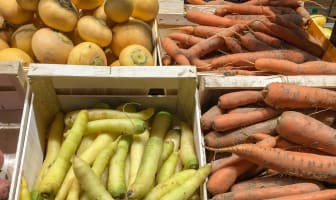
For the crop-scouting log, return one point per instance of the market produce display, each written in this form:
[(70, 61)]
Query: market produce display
[(234, 38), (281, 140), (122, 153), (77, 32)]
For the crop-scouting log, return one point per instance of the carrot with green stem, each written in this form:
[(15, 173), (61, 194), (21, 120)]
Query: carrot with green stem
[(288, 95), (269, 192), (167, 149), (175, 181), (136, 152), (187, 189), (89, 155), (187, 150), (217, 139), (116, 179), (55, 136), (306, 165), (151, 156), (116, 126), (89, 181), (168, 167), (174, 136), (57, 171), (102, 160), (97, 114)]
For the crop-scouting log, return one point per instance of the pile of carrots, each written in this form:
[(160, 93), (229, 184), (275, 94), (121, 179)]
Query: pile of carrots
[(252, 38), (275, 143)]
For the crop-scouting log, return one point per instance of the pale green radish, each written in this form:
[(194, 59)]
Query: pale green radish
[(150, 160), (116, 126), (55, 136), (175, 181), (168, 168), (188, 188), (175, 136), (89, 155), (57, 171), (187, 151), (168, 148), (89, 181), (116, 183), (136, 152), (96, 114)]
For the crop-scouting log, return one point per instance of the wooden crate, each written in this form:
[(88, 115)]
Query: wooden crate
[(12, 105), (12, 91), (211, 87), (173, 16), (56, 88)]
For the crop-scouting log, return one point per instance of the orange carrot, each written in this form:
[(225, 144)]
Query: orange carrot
[(197, 2), (290, 68), (208, 19), (271, 41), (247, 59), (287, 35), (186, 39), (174, 51), (327, 117), (246, 9), (299, 164), (329, 194), (238, 72), (234, 159), (221, 180), (167, 60), (251, 43), (233, 45), (285, 3), (302, 129), (289, 146), (268, 181), (270, 192), (303, 12), (208, 117), (242, 109), (288, 95), (240, 98), (237, 120), (199, 30), (217, 139)]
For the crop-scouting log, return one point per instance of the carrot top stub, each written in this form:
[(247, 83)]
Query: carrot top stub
[(288, 95)]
